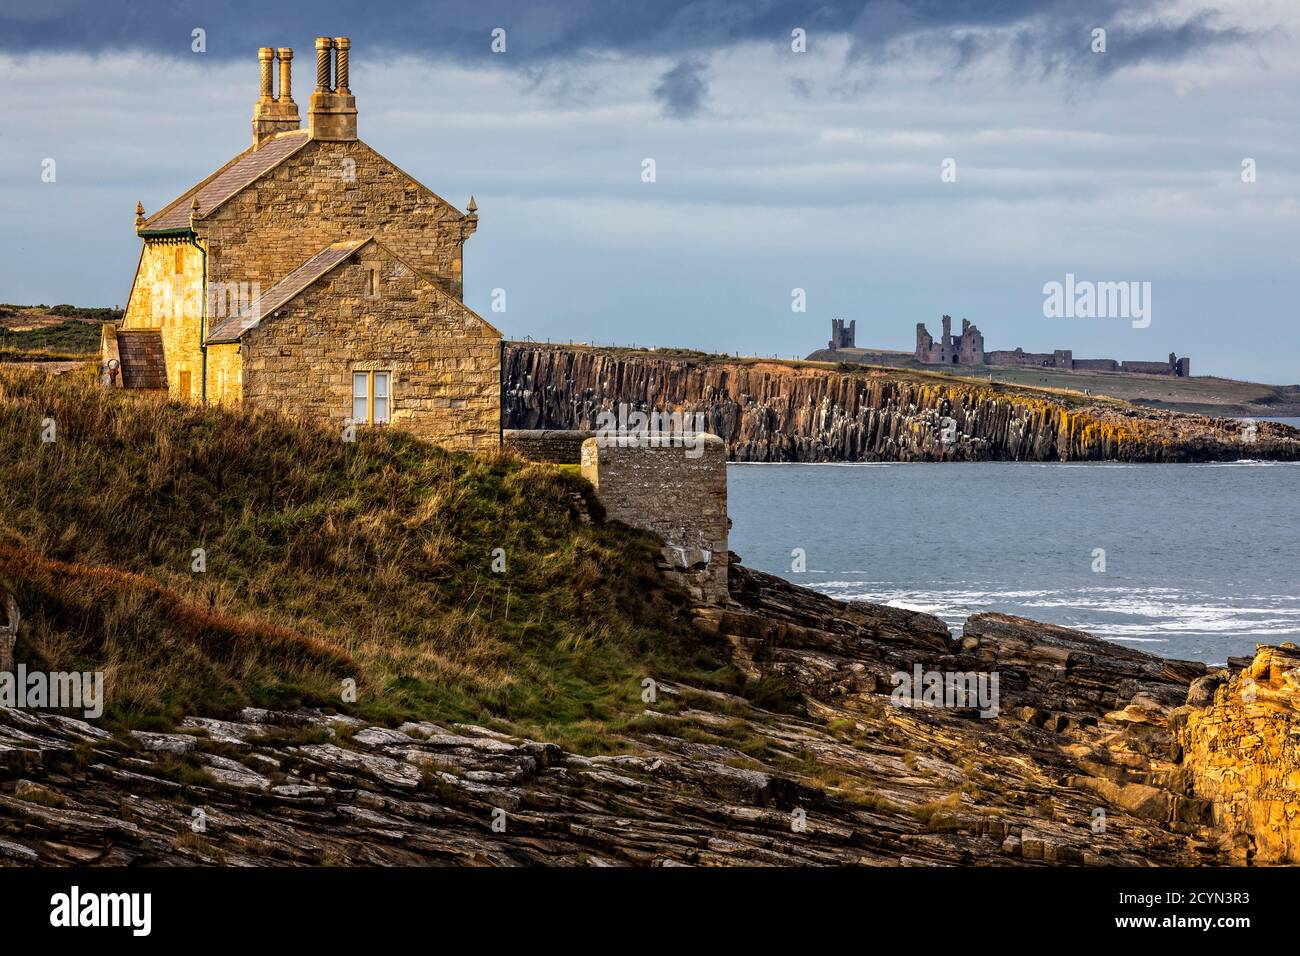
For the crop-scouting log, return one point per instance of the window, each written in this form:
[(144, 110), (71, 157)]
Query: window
[(371, 397), (180, 259), (372, 282), (380, 393), (183, 383)]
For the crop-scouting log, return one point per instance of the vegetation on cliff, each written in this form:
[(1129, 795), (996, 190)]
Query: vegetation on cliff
[(324, 559)]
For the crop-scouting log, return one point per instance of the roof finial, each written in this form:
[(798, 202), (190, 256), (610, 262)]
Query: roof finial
[(194, 208), (139, 214), (473, 208)]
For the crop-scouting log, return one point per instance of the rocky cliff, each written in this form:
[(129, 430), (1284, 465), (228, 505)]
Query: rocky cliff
[(1239, 736), (1092, 759), (772, 411)]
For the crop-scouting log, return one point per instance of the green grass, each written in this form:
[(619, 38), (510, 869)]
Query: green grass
[(325, 560), (62, 341), (71, 338)]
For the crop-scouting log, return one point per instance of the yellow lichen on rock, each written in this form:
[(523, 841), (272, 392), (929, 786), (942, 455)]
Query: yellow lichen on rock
[(1243, 752)]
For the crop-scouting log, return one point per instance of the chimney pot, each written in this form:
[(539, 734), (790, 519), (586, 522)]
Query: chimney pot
[(286, 75), (323, 47), (341, 45), (265, 56)]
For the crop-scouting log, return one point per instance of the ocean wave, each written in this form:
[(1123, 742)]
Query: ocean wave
[(1137, 615), (1246, 463)]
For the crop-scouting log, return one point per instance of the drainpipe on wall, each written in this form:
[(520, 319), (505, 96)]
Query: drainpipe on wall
[(203, 314)]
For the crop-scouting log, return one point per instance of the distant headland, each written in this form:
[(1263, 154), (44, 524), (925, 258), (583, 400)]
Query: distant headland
[(967, 348), (1168, 384)]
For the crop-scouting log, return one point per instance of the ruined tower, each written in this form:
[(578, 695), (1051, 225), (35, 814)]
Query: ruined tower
[(842, 337)]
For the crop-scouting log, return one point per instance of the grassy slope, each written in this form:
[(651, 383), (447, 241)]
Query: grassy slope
[(43, 334), (324, 559)]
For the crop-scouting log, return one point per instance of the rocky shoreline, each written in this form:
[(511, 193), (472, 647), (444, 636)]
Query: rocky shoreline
[(1099, 755), (779, 412)]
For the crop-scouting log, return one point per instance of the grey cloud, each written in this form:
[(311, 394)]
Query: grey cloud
[(1042, 37), (1040, 30), (682, 89)]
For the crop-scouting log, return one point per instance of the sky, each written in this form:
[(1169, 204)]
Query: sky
[(895, 160)]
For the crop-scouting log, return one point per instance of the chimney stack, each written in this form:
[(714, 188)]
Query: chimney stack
[(333, 113), (286, 78), (274, 114)]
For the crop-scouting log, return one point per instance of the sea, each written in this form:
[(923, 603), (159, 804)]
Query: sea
[(1200, 562)]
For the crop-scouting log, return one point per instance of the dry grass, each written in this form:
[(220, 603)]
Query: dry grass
[(322, 556)]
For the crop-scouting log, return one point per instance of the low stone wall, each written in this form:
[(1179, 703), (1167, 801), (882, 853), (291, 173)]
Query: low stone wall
[(678, 491), (1147, 368), (546, 444), (1018, 357)]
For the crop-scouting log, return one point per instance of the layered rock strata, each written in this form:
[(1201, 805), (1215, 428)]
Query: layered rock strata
[(769, 411), (1091, 759)]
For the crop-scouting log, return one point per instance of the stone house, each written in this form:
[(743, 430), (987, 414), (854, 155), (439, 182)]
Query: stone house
[(312, 276)]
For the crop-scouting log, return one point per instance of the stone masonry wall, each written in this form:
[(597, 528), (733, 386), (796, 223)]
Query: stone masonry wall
[(1018, 357), (679, 498), (446, 362), (225, 375), (170, 300), (553, 445), (324, 193)]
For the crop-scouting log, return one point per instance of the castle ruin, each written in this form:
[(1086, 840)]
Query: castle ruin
[(841, 337), (967, 348)]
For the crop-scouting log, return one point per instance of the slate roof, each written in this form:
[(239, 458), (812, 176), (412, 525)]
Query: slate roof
[(226, 181), (143, 362), (232, 327)]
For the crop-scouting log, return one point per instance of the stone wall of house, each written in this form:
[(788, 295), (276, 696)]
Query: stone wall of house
[(674, 492), (445, 360), (324, 193), (167, 295), (225, 375), (554, 445)]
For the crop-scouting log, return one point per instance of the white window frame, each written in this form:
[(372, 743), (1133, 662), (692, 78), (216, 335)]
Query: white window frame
[(364, 389)]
